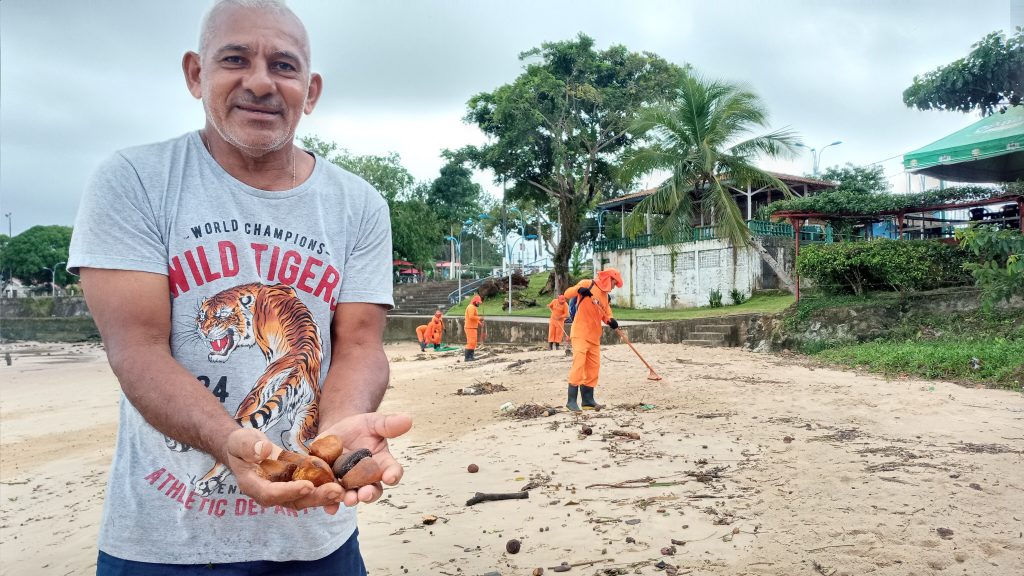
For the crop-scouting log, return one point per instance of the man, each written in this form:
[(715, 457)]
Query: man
[(240, 285), (556, 323), (431, 332), (592, 309), (473, 320)]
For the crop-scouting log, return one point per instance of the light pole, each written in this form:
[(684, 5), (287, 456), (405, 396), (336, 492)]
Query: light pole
[(8, 215), (600, 216), (816, 155), (53, 278), (527, 237), (458, 251)]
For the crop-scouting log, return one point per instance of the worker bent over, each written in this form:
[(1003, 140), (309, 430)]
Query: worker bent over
[(431, 332), (556, 324), (473, 322), (592, 309)]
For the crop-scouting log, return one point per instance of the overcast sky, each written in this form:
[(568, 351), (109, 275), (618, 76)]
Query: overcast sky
[(80, 79)]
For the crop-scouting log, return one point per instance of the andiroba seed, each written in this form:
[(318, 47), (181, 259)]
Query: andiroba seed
[(327, 448), (276, 470), (345, 463), (365, 472), (315, 470)]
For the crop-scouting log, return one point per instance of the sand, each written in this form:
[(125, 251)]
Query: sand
[(745, 464)]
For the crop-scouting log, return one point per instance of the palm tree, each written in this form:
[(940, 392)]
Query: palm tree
[(703, 140)]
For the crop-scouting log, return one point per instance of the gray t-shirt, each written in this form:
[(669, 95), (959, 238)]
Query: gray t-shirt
[(254, 279)]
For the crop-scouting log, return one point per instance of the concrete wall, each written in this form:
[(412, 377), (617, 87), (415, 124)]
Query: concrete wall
[(683, 275)]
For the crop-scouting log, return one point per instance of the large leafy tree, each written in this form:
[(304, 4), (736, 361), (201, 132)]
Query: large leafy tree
[(858, 179), (415, 230), (25, 255), (557, 131), (454, 195), (705, 139), (987, 80)]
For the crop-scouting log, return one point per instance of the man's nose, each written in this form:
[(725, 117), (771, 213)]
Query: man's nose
[(258, 80)]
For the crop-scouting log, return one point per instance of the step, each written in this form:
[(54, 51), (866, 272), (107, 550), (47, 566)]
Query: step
[(704, 343), (715, 336)]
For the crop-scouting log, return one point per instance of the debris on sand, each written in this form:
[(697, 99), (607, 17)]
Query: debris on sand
[(481, 388), (527, 411)]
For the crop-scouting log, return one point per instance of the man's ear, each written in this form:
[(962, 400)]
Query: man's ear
[(316, 87), (191, 66)]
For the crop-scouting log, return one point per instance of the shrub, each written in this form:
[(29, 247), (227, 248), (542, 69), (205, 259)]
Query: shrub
[(715, 298), (737, 296), (900, 265), (999, 270)]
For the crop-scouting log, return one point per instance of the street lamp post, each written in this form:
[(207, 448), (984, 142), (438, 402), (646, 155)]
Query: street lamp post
[(521, 237), (600, 216), (458, 251), (816, 155), (8, 216), (53, 278)]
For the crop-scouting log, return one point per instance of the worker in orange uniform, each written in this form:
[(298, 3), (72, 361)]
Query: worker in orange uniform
[(556, 324), (473, 322), (431, 332), (592, 309)]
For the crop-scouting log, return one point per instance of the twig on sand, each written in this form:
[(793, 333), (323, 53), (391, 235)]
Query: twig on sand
[(829, 546), (584, 563), (482, 497)]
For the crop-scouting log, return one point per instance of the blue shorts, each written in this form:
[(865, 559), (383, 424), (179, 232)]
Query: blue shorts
[(345, 561)]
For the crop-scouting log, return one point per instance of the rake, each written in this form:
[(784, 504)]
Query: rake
[(653, 375)]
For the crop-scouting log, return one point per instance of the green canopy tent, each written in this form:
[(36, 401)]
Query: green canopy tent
[(990, 150)]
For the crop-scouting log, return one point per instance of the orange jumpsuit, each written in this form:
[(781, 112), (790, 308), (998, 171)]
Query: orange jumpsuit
[(585, 335), (431, 332), (473, 321), (556, 325)]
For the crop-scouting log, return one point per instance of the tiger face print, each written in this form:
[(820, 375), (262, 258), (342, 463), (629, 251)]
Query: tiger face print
[(225, 323)]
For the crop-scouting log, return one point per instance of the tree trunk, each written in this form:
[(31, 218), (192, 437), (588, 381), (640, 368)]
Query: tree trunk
[(774, 264), (569, 232)]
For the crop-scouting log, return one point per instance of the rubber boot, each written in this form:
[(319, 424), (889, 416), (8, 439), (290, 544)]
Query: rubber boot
[(467, 355), (557, 346), (423, 346), (551, 345), (571, 404), (588, 398), (437, 347)]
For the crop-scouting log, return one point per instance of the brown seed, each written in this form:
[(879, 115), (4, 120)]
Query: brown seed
[(513, 546), (315, 470), (276, 470), (345, 463), (587, 430), (473, 468), (429, 519), (538, 572), (787, 439), (327, 448), (366, 471), (290, 457)]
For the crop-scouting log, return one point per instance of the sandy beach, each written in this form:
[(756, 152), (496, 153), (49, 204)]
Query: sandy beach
[(739, 463)]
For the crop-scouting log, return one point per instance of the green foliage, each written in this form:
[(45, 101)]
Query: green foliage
[(25, 255), (576, 265), (705, 132), (988, 79), (559, 128), (415, 231), (858, 179), (715, 298), (858, 267), (999, 270), (835, 203), (979, 359), (385, 173), (454, 195), (737, 296)]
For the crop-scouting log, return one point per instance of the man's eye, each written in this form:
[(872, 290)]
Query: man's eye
[(231, 60), (284, 66)]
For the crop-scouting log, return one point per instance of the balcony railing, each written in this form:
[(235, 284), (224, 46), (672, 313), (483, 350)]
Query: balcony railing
[(757, 228)]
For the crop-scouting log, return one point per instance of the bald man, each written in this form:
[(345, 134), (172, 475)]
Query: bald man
[(240, 285)]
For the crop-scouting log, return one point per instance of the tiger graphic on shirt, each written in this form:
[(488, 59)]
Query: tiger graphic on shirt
[(272, 318)]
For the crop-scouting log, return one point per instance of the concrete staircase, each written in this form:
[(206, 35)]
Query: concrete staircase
[(424, 298), (711, 332)]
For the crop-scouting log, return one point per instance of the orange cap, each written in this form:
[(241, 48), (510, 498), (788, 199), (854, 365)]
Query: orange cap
[(476, 299), (561, 297)]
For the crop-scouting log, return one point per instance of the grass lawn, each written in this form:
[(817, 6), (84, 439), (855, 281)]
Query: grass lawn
[(1001, 361), (496, 306)]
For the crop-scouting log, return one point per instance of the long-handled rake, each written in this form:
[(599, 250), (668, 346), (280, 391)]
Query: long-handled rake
[(653, 375)]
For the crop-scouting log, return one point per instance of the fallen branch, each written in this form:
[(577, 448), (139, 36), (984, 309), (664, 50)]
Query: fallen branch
[(641, 483), (482, 497), (585, 563)]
